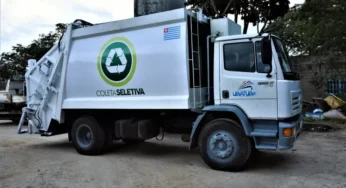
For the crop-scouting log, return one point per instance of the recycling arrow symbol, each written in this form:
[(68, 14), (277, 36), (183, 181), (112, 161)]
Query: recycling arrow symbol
[(119, 67)]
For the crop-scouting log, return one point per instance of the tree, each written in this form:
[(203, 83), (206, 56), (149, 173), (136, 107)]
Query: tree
[(291, 30), (251, 11), (317, 28), (13, 64)]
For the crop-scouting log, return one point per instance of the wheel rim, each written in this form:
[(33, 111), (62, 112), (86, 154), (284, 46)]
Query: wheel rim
[(84, 136), (220, 144)]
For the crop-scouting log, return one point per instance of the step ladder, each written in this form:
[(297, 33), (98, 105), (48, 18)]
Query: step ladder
[(31, 129), (195, 61)]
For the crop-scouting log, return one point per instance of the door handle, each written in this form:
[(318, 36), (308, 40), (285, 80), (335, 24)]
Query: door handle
[(225, 94)]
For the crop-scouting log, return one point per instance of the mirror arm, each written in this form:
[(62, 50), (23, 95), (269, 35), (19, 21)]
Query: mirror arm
[(269, 75)]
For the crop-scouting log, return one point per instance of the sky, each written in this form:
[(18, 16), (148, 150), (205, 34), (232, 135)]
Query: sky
[(21, 21)]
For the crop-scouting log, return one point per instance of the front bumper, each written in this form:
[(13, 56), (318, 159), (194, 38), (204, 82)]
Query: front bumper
[(286, 143)]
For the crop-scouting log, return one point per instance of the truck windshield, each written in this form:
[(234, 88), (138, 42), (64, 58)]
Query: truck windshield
[(283, 57), (284, 60)]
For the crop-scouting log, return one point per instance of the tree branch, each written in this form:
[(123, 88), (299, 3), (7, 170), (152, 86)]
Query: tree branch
[(227, 7), (246, 26), (235, 12), (258, 28), (205, 7), (264, 26), (212, 2)]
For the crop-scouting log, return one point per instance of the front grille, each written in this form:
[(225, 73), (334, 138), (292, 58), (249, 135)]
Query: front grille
[(296, 102)]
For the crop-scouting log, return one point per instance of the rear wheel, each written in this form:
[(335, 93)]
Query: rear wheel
[(88, 138), (224, 145)]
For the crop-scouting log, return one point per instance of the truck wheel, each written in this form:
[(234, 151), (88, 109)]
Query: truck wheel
[(132, 141), (224, 145), (88, 137)]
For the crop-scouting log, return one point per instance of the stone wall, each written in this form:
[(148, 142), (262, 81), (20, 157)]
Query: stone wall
[(315, 74)]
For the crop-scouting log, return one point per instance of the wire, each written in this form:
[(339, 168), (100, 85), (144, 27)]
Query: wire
[(83, 24)]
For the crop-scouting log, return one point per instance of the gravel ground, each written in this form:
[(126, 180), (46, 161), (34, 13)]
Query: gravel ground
[(31, 161)]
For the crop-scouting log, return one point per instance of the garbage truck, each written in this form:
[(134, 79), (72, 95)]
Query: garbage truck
[(12, 100), (131, 79)]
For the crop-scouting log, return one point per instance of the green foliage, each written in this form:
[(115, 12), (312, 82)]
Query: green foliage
[(291, 30), (251, 11), (13, 64), (317, 28)]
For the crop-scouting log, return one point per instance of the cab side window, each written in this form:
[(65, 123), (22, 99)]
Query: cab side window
[(239, 57), (261, 68)]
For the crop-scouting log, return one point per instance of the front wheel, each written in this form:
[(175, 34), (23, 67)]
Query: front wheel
[(224, 145)]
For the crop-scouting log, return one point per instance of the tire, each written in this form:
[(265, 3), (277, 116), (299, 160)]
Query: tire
[(224, 145), (132, 141), (88, 138)]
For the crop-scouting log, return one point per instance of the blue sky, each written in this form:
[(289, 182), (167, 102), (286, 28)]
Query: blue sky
[(21, 21)]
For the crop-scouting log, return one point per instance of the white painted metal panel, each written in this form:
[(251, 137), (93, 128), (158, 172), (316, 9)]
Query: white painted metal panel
[(161, 72), (224, 27), (289, 98), (262, 102)]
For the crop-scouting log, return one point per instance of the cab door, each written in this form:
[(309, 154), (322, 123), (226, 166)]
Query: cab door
[(244, 79)]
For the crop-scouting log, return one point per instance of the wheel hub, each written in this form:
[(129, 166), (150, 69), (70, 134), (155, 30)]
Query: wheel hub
[(88, 136), (84, 136), (221, 144)]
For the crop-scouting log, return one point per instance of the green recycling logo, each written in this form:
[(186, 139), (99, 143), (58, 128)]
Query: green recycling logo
[(117, 61)]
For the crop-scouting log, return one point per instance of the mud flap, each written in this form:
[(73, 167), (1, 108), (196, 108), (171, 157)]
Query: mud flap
[(195, 125)]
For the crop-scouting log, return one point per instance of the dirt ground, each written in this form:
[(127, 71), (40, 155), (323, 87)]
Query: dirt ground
[(31, 161)]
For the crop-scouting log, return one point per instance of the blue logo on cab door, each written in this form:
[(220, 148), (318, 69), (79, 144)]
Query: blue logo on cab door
[(245, 90)]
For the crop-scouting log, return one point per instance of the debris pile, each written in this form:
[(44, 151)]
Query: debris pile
[(330, 107)]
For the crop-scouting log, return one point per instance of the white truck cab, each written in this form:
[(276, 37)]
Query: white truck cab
[(129, 79), (263, 89), (242, 79)]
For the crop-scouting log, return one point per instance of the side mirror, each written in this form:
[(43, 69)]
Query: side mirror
[(267, 53)]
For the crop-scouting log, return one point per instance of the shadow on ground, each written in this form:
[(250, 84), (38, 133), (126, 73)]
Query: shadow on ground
[(260, 160), (119, 148), (265, 160), (318, 127)]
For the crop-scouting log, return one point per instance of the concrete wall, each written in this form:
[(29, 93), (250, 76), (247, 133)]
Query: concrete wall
[(315, 73)]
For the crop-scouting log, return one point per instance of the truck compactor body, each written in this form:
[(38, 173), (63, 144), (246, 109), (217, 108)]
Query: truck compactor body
[(129, 80)]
